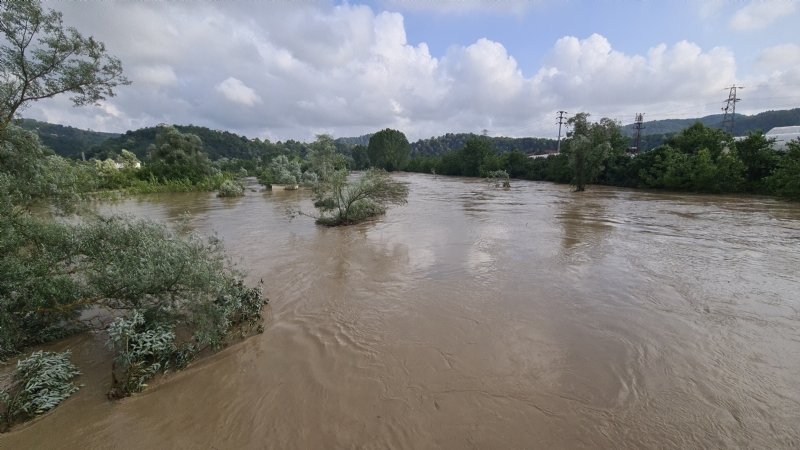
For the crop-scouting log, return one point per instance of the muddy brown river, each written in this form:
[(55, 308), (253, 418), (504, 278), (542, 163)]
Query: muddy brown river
[(474, 317)]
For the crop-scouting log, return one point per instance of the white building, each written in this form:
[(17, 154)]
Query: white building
[(782, 136)]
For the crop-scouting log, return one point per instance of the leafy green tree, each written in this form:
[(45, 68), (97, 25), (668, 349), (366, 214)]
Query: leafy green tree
[(759, 159), (517, 164), (128, 160), (30, 172), (360, 157), (785, 181), (451, 163), (281, 171), (697, 137), (40, 58), (177, 156), (343, 203), (388, 149), (474, 156), (323, 158), (588, 148)]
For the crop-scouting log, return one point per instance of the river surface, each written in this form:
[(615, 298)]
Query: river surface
[(476, 317)]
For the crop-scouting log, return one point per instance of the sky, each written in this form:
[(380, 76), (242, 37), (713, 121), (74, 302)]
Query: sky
[(292, 69)]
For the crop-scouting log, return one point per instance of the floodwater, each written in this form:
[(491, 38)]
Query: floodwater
[(476, 317)]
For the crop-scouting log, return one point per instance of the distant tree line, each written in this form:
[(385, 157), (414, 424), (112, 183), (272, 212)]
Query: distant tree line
[(698, 159)]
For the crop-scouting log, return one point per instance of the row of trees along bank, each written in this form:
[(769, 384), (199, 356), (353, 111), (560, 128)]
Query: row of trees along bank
[(698, 159)]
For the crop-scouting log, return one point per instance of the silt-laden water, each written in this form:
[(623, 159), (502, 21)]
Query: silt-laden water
[(476, 317)]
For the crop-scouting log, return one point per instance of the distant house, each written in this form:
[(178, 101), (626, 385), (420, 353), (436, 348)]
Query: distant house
[(783, 135), (120, 166), (544, 155)]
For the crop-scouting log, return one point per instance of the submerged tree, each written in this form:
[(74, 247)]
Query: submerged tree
[(589, 147), (40, 58), (343, 203)]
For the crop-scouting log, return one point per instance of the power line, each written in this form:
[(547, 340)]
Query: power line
[(638, 126), (730, 108), (561, 121)]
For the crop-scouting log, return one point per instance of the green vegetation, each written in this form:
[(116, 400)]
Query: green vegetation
[(590, 146), (499, 178), (785, 180), (437, 146), (53, 271), (388, 149), (340, 202), (39, 383), (171, 296), (231, 188), (177, 156), (281, 171), (41, 58), (699, 159), (65, 141)]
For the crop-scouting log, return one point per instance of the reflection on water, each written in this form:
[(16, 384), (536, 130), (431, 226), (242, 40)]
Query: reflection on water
[(476, 317)]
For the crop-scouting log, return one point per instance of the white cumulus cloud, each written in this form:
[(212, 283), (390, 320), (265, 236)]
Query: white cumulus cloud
[(759, 14), (234, 90), (780, 56), (294, 69)]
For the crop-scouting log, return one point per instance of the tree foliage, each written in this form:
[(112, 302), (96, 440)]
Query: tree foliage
[(699, 159), (41, 58), (785, 180), (30, 173), (281, 170), (177, 155), (343, 203), (389, 150), (38, 384), (589, 147)]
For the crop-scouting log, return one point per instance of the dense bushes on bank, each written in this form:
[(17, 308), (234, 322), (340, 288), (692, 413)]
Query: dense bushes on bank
[(699, 159)]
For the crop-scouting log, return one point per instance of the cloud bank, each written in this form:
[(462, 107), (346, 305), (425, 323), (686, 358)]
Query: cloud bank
[(292, 70)]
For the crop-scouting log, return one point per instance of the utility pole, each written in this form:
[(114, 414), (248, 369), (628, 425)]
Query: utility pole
[(562, 120), (638, 125), (730, 108)]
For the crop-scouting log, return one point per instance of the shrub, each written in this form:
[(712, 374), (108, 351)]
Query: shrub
[(343, 203), (38, 384), (499, 178), (231, 188), (142, 350), (52, 271)]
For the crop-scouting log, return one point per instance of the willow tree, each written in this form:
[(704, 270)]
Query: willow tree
[(41, 58)]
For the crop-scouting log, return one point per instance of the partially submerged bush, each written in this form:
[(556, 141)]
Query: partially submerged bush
[(39, 292), (142, 350), (281, 171), (52, 271), (231, 188), (38, 384), (499, 178), (342, 203)]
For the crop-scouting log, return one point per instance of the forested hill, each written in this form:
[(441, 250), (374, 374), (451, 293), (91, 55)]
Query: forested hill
[(744, 124), (70, 142), (451, 142), (217, 144), (353, 141), (456, 141), (64, 140)]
